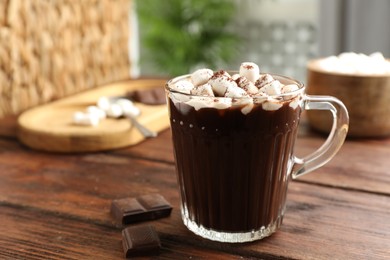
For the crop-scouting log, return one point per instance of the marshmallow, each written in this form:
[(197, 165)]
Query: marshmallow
[(263, 80), (260, 98), (114, 111), (250, 71), (103, 103), (273, 88), (222, 103), (235, 76), (220, 82), (128, 108), (95, 110), (124, 103), (220, 90), (354, 63), (246, 109), (178, 97), (131, 111), (198, 103), (201, 76), (289, 88), (271, 105), (294, 103), (86, 119), (183, 86), (235, 91), (203, 90), (247, 85), (219, 103)]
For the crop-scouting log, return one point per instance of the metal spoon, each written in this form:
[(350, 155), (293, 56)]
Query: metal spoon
[(133, 118), (141, 128)]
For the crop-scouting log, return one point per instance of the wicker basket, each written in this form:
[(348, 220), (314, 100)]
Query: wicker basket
[(50, 49)]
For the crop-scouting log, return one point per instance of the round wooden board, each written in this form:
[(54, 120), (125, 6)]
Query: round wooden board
[(49, 127)]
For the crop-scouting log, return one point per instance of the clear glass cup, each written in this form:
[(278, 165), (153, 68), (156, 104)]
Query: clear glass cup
[(235, 157)]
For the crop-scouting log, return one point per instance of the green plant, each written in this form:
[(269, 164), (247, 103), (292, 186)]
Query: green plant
[(180, 35)]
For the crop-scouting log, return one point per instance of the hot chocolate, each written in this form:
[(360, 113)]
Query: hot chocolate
[(232, 166), (233, 142), (233, 137)]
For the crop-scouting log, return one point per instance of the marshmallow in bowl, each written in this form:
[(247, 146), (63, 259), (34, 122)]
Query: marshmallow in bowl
[(356, 64), (247, 88)]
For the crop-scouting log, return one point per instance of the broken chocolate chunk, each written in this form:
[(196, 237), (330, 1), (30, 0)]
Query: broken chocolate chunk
[(140, 241), (154, 96), (143, 208)]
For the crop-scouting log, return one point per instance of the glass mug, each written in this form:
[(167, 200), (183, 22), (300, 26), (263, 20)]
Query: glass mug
[(234, 163)]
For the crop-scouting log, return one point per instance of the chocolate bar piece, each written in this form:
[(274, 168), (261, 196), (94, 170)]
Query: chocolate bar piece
[(140, 241), (143, 208), (154, 96)]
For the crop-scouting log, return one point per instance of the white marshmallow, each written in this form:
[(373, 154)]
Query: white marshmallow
[(247, 102), (295, 103), (124, 102), (260, 98), (235, 76), (356, 63), (202, 102), (377, 56), (203, 90), (247, 85), (289, 88), (271, 105), (222, 103), (103, 103), (131, 111), (220, 83), (183, 86), (263, 80), (178, 97), (95, 110), (114, 111), (86, 119), (235, 92), (273, 88), (246, 109), (201, 76), (250, 71), (198, 103), (128, 108)]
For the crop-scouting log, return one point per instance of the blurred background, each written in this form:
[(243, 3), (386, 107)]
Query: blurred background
[(51, 49), (176, 36)]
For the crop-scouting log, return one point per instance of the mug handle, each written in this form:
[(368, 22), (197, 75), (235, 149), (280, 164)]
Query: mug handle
[(335, 139)]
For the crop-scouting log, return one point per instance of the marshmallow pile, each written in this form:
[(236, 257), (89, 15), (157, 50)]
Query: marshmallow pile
[(105, 107), (246, 88), (353, 63)]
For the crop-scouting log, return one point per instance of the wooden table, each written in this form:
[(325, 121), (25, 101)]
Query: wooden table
[(56, 206)]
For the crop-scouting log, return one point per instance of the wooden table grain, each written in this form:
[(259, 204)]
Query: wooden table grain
[(56, 206)]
